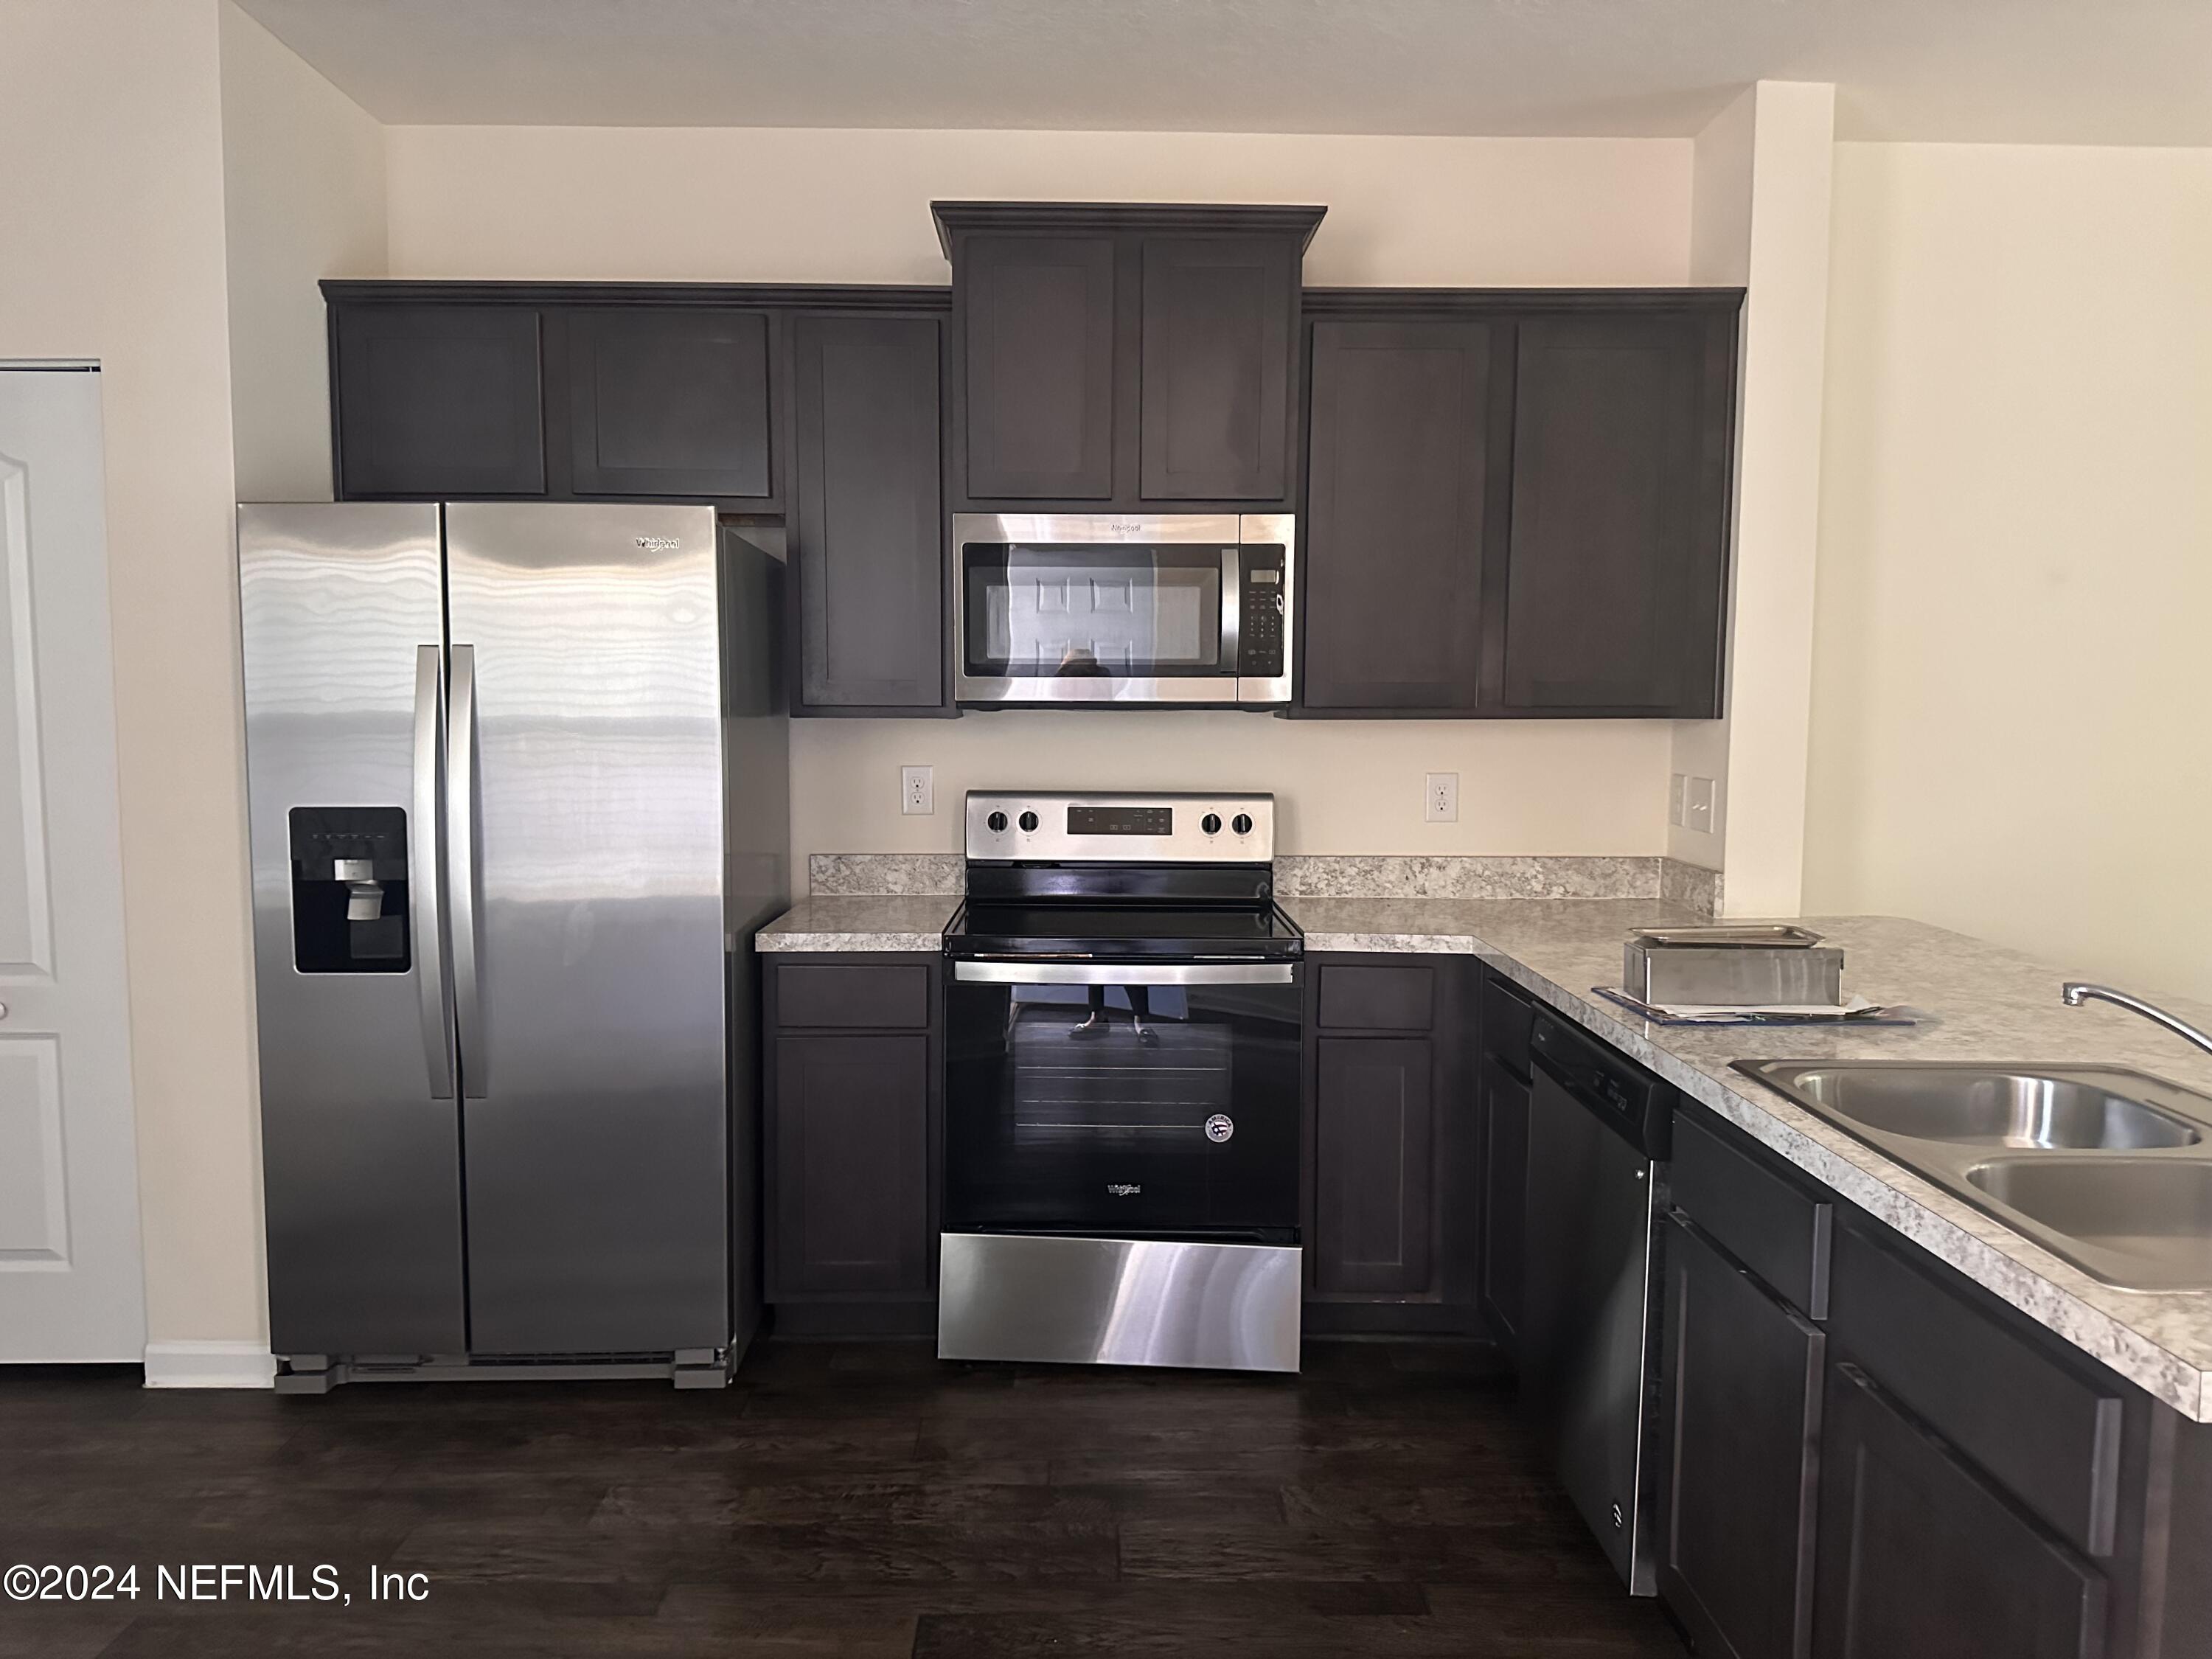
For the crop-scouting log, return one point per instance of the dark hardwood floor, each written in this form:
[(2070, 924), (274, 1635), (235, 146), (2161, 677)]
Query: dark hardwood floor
[(839, 1499)]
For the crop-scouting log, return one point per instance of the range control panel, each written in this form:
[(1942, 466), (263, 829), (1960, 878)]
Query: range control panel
[(1198, 829)]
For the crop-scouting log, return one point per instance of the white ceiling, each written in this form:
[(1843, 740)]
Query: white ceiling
[(2089, 71)]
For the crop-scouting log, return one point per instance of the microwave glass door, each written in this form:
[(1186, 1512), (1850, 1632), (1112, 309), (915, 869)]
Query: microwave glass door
[(1126, 611)]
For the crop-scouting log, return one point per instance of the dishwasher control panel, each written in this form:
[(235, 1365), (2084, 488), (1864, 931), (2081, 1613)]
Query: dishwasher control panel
[(1628, 1099)]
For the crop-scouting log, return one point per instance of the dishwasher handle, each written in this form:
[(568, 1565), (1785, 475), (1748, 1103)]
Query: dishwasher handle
[(1630, 1101)]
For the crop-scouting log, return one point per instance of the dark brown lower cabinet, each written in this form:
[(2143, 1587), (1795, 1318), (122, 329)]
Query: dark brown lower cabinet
[(1919, 1556), (849, 1158), (1392, 1211), (1504, 1128), (1374, 1154), (1742, 1413)]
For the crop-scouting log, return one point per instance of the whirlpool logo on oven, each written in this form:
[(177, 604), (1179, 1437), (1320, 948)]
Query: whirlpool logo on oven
[(1124, 1188)]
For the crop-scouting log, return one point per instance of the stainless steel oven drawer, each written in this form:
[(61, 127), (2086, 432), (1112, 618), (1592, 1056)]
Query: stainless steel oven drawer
[(1118, 1302)]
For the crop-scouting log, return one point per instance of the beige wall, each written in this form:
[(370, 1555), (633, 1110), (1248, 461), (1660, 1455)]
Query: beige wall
[(1342, 785), (303, 198), (2013, 711), (1759, 216), (111, 197), (483, 201), (740, 204)]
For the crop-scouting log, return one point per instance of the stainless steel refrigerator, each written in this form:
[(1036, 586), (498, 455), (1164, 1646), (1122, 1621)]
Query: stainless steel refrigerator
[(495, 902)]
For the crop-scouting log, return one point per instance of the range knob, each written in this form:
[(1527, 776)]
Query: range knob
[(1241, 823), (1028, 821), (1211, 823), (998, 823)]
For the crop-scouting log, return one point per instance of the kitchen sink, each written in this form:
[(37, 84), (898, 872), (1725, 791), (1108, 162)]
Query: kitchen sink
[(1984, 1106), (2106, 1166), (2141, 1222)]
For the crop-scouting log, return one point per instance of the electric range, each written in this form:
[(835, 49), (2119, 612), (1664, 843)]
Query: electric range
[(1124, 1011)]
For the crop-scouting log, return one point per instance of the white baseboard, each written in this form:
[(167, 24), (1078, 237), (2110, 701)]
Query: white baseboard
[(209, 1366)]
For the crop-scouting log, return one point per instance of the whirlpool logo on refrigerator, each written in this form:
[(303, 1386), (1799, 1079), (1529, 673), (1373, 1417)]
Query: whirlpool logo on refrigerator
[(1124, 1188)]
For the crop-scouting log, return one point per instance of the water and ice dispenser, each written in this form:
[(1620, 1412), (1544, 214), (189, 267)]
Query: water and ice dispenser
[(350, 890)]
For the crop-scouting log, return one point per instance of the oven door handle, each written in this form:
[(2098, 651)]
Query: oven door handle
[(1116, 973)]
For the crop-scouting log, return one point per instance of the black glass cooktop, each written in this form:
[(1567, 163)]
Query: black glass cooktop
[(1244, 932)]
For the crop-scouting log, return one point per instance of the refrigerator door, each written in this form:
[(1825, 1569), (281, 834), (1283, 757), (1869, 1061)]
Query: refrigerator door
[(342, 613), (587, 875)]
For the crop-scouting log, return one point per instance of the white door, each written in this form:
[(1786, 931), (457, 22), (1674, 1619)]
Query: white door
[(71, 1284)]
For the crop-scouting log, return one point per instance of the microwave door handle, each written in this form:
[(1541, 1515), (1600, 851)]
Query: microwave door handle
[(461, 828), (425, 873), (1232, 611)]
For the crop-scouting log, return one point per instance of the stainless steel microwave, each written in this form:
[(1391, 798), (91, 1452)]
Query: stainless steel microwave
[(1185, 608)]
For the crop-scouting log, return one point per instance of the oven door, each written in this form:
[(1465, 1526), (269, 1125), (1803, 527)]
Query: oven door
[(1064, 609), (1125, 1100)]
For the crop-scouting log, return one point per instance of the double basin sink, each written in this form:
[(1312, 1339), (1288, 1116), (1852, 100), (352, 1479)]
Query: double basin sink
[(2109, 1167)]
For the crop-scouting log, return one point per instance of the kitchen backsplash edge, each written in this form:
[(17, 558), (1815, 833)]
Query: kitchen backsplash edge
[(1343, 876)]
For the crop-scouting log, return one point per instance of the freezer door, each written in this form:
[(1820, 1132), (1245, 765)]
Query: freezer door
[(586, 845), (341, 614)]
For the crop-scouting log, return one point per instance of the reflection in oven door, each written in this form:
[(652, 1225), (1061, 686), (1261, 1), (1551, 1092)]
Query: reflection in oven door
[(1133, 1110)]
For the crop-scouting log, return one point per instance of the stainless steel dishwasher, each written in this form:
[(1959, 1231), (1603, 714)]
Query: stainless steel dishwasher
[(1599, 1127)]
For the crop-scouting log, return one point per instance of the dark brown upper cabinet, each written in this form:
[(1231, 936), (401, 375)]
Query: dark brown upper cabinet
[(1516, 503), (1397, 494), (668, 400), (1213, 407), (1039, 362), (433, 400), (1617, 562), (868, 524), (669, 391), (1109, 356)]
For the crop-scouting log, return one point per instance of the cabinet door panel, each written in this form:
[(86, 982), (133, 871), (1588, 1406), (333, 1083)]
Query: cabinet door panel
[(851, 1166), (1504, 1199), (1397, 486), (1918, 1556), (1373, 1157), (1742, 1408), (1213, 398), (668, 401), (437, 401), (868, 524), (1616, 558), (1037, 313)]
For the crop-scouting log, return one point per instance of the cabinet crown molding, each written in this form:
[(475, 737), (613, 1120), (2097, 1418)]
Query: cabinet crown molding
[(765, 296), (1189, 217)]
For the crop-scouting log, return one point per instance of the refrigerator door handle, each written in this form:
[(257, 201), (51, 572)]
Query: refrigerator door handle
[(461, 831), (425, 873)]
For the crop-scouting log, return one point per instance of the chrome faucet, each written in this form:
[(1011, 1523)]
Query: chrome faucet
[(2078, 993)]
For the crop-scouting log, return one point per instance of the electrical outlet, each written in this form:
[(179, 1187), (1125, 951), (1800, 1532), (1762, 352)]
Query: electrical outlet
[(1440, 793), (1698, 813), (917, 790), (1677, 786)]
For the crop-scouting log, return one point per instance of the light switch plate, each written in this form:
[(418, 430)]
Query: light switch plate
[(1677, 786), (917, 789), (1440, 792), (1698, 814)]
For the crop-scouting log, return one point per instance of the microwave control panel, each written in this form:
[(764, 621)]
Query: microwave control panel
[(1259, 647)]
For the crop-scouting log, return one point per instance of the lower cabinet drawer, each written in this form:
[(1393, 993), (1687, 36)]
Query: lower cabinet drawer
[(1358, 997), (1774, 1225), (2043, 1431), (874, 995), (1508, 1012)]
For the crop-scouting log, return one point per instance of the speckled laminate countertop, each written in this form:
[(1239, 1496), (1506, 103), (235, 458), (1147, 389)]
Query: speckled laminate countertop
[(894, 921), (1982, 1002)]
